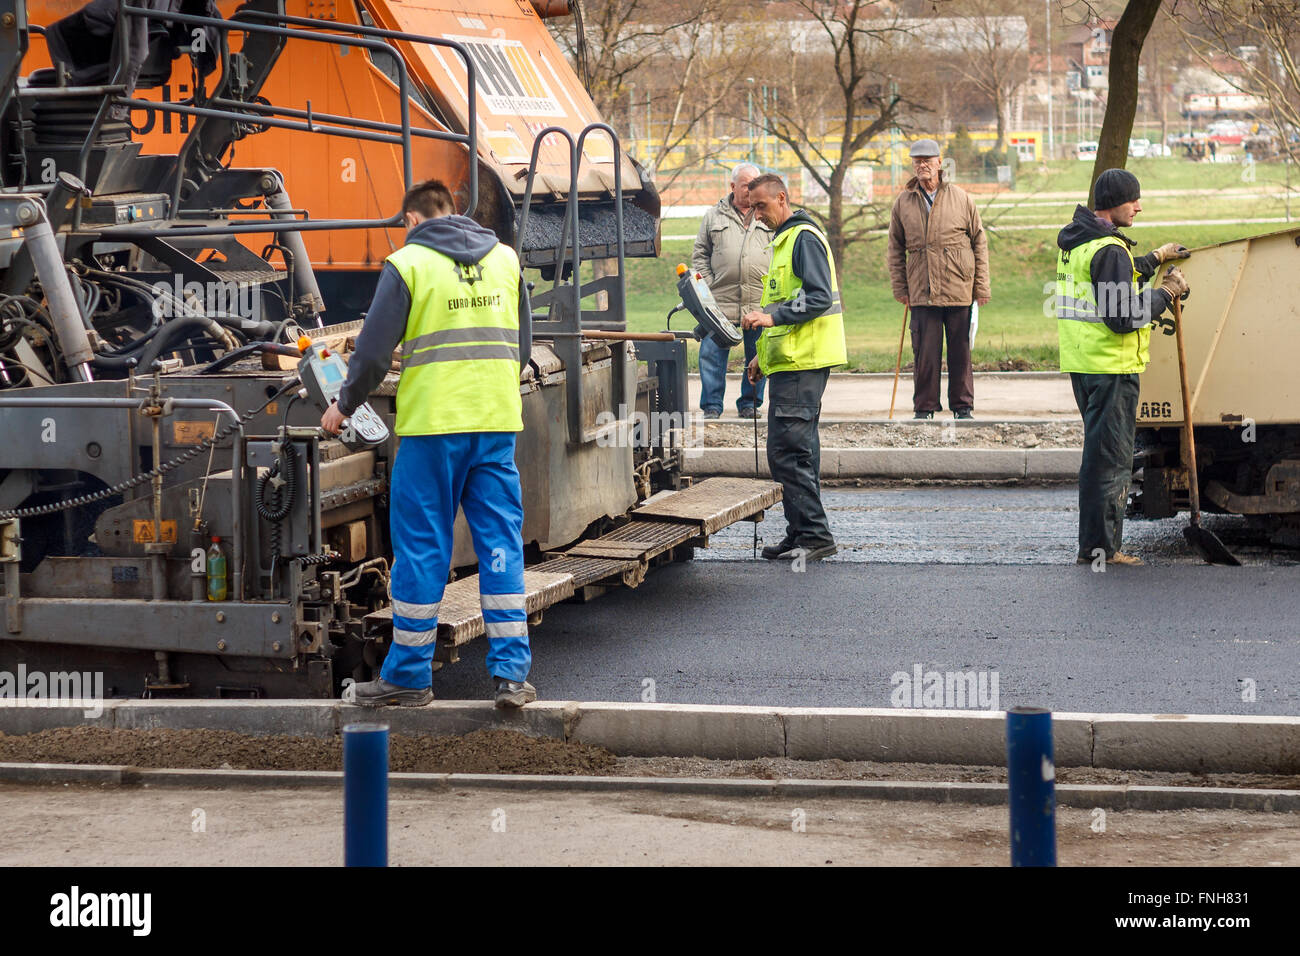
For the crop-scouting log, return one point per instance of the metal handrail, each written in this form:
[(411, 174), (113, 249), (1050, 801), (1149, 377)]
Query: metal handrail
[(618, 200), (364, 129), (361, 29)]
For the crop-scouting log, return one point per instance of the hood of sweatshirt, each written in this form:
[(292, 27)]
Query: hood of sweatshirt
[(459, 237), (799, 216), (1085, 227)]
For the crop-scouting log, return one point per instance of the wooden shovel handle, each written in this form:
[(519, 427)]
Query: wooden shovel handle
[(898, 365), (1193, 491)]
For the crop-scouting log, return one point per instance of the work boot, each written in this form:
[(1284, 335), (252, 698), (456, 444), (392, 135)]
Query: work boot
[(379, 693), (817, 551), (513, 693), (923, 416), (963, 413), (749, 411), (775, 552), (1119, 557)]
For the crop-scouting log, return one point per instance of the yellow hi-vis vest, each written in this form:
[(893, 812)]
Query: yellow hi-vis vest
[(1086, 344), (817, 343), (460, 353)]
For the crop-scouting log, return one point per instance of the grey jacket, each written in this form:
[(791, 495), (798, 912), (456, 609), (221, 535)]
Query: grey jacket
[(733, 258)]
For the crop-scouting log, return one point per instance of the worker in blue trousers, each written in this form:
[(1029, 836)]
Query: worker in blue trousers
[(453, 297)]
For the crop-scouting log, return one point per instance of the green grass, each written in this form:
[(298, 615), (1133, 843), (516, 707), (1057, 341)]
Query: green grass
[(1014, 333)]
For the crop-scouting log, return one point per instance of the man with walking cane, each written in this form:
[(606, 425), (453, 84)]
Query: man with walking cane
[(938, 266)]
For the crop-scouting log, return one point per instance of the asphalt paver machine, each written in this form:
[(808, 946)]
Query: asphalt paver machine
[(171, 321)]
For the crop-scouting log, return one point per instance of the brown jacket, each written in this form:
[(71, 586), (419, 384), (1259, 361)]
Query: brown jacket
[(940, 258)]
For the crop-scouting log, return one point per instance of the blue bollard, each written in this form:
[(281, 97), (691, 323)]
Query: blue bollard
[(365, 795), (1031, 784)]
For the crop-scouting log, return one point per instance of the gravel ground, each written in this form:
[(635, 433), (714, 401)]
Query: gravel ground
[(506, 751), (935, 434)]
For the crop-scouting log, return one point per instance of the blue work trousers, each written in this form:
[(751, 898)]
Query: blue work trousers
[(713, 375), (432, 477)]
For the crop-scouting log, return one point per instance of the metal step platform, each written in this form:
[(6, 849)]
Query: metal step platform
[(664, 523)]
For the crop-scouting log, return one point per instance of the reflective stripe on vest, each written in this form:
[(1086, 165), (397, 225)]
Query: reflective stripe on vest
[(817, 343), (460, 353), (1086, 344)]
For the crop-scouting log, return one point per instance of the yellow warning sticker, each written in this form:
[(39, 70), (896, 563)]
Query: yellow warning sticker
[(191, 433), (142, 532)]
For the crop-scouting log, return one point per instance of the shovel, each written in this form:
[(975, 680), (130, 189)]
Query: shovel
[(1203, 541)]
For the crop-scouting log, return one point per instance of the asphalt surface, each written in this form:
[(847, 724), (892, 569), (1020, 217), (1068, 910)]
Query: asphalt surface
[(951, 579)]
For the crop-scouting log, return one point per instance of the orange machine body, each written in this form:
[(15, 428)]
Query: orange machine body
[(524, 84)]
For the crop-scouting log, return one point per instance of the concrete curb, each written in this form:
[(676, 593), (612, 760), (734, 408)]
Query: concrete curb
[(1079, 796), (1169, 742), (961, 464)]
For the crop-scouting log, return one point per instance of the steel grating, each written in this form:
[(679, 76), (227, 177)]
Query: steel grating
[(714, 503), (637, 540), (621, 555)]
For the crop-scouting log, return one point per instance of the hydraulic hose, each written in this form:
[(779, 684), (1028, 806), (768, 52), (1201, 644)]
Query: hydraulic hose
[(161, 340)]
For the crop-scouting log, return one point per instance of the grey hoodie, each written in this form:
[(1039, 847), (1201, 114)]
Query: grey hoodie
[(460, 238)]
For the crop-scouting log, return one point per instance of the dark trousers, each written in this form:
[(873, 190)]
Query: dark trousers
[(1108, 404), (794, 452), (929, 326)]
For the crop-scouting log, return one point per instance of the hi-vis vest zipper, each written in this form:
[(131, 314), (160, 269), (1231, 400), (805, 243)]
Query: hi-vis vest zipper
[(817, 343), (1086, 344), (460, 353)]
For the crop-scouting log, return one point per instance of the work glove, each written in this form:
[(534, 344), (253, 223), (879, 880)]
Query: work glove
[(1175, 284), (1169, 252)]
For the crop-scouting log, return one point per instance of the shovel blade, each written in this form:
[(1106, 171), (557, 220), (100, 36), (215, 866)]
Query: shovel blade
[(1209, 547)]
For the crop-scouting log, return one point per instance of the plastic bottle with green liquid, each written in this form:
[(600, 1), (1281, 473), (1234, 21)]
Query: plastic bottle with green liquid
[(216, 571)]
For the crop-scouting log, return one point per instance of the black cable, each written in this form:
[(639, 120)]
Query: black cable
[(159, 341), (756, 475), (152, 473)]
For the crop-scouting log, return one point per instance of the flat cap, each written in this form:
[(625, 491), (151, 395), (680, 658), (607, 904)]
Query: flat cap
[(924, 147)]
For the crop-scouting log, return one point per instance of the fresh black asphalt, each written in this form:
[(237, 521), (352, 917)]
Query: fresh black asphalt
[(951, 579)]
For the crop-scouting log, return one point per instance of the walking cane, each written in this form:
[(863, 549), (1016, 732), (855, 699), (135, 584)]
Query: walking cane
[(898, 366)]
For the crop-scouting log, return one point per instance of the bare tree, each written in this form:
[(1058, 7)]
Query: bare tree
[(843, 79), (991, 39), (685, 58), (1255, 47), (1121, 103)]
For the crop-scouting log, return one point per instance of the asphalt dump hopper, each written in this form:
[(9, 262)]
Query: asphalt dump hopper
[(597, 232)]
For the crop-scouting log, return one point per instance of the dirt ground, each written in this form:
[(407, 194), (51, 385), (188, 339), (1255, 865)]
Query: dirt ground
[(507, 751), (140, 826), (933, 434)]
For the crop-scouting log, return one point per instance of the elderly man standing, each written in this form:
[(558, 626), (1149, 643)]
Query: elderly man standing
[(731, 253), (938, 266)]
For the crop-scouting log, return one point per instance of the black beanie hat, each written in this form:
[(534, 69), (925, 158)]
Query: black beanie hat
[(1114, 188)]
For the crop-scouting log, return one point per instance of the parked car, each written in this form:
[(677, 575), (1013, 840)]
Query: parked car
[(1138, 148), (1086, 150), (1227, 132)]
